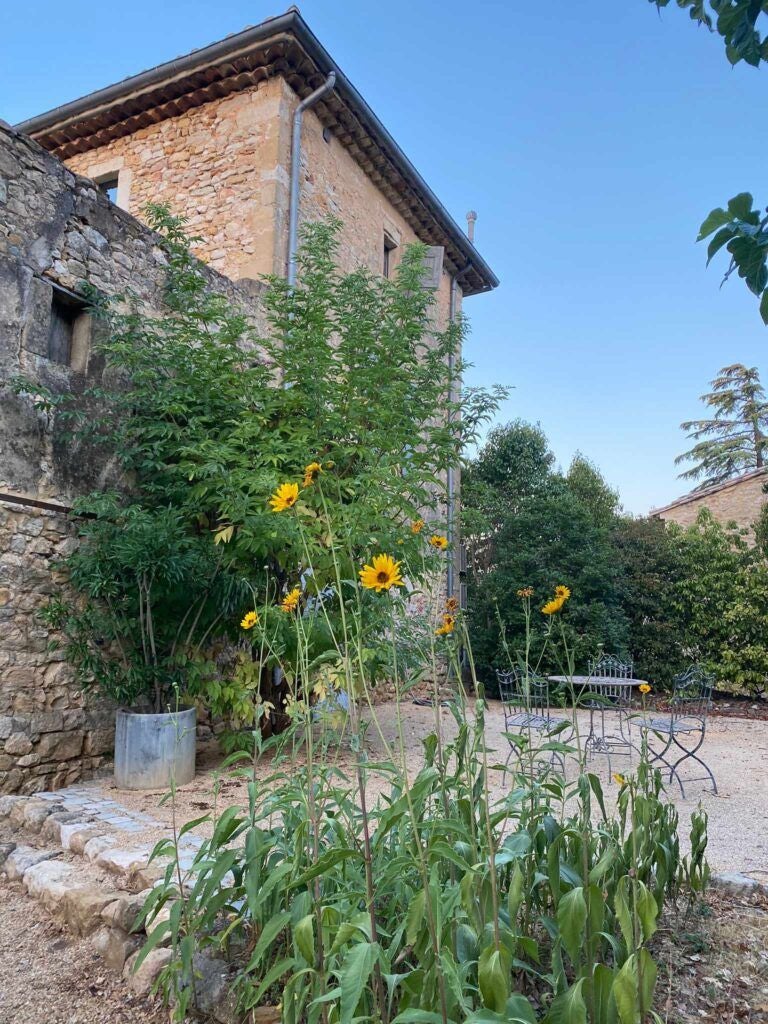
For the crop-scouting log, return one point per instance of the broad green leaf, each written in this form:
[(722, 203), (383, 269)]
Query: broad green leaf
[(493, 974), (571, 918), (714, 220), (304, 936), (414, 919), (568, 1007), (353, 977)]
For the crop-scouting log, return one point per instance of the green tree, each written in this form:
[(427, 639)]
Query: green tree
[(529, 526), (735, 439), (588, 484), (651, 564)]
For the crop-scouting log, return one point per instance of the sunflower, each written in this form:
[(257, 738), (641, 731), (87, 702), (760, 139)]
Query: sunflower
[(311, 473), (417, 526), (438, 541), (382, 574), (249, 620), (525, 592), (284, 497), (452, 604), (291, 600), (553, 606), (619, 779), (447, 627), (562, 592), (644, 688)]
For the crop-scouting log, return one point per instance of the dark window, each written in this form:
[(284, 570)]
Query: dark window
[(109, 188), (69, 329), (63, 316), (389, 246)]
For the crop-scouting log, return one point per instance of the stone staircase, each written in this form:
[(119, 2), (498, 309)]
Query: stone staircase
[(81, 857)]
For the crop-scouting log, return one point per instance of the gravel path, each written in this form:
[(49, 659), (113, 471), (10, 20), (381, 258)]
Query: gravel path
[(49, 977), (735, 748)]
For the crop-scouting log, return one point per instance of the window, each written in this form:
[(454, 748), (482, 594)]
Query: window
[(69, 330), (389, 247), (109, 187)]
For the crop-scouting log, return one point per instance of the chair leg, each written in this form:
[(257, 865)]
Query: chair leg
[(692, 754), (662, 757)]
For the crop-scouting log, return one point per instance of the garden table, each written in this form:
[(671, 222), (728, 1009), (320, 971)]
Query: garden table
[(604, 694)]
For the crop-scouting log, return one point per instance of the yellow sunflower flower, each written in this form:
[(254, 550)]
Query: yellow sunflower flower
[(438, 541), (561, 596), (249, 620), (644, 688), (417, 526), (448, 626), (311, 473), (525, 592), (452, 604), (383, 574), (291, 600), (284, 497), (619, 779)]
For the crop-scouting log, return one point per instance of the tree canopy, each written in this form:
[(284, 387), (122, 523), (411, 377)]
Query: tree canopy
[(734, 441)]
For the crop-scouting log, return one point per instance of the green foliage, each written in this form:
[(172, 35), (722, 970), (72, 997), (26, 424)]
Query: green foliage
[(722, 603), (149, 593), (735, 440), (206, 419), (651, 562), (737, 22), (481, 912), (529, 526)]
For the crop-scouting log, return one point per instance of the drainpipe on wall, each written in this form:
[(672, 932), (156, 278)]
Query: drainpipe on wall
[(450, 481), (293, 202)]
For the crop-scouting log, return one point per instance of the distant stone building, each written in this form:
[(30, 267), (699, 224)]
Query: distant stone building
[(248, 139), (739, 500)]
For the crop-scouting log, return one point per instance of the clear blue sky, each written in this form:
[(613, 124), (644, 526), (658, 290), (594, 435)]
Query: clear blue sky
[(592, 139)]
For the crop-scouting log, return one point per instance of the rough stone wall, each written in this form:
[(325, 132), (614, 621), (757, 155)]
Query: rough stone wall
[(225, 166), (222, 166), (56, 230), (50, 735), (739, 502)]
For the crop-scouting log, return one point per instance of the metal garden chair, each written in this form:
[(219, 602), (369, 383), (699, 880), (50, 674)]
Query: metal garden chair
[(682, 732), (614, 693), (525, 699)]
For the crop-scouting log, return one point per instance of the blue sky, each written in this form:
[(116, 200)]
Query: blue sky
[(592, 139)]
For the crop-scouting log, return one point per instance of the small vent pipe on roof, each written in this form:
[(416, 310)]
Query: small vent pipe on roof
[(471, 218), (293, 202)]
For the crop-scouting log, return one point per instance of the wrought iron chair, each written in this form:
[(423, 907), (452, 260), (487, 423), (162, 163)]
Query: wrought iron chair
[(611, 693), (525, 699), (683, 731)]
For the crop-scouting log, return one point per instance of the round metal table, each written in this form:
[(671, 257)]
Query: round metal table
[(604, 695)]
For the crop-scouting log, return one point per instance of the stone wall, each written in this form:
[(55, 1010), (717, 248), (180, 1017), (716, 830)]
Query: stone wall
[(738, 501), (225, 167), (50, 735), (56, 230)]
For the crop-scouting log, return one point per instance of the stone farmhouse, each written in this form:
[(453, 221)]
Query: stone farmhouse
[(739, 501), (247, 138)]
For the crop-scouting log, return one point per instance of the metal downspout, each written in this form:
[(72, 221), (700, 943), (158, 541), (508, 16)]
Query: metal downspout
[(450, 480), (293, 201)]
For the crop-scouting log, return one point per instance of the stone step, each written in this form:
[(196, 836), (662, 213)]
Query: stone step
[(84, 869)]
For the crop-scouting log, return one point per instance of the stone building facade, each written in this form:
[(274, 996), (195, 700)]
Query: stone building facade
[(56, 230), (739, 500), (242, 138)]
